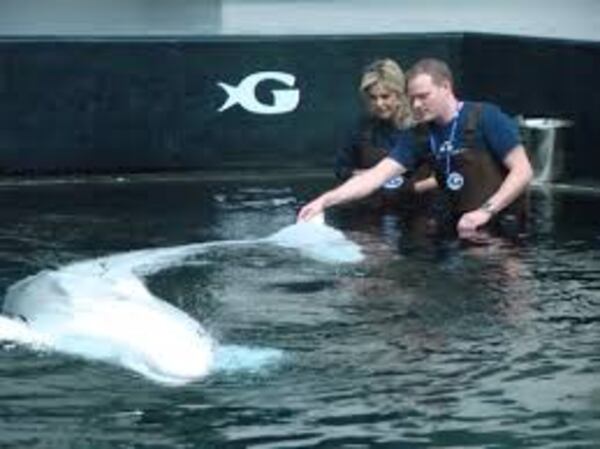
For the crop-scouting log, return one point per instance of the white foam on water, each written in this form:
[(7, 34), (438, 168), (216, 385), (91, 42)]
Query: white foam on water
[(317, 240), (234, 358), (101, 309)]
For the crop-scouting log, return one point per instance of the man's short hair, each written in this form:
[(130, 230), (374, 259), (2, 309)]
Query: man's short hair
[(436, 68)]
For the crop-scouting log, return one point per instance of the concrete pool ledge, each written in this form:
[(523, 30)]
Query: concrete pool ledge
[(582, 186), (190, 176)]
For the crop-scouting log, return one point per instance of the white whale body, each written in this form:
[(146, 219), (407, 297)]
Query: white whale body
[(101, 309), (118, 322)]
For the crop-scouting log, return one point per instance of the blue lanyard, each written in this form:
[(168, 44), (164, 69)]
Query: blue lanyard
[(446, 148)]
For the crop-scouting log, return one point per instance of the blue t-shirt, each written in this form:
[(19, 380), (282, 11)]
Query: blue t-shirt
[(495, 131)]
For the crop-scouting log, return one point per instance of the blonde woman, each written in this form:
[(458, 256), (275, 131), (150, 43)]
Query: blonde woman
[(388, 115)]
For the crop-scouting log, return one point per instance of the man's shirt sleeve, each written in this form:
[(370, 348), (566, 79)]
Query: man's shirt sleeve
[(500, 131)]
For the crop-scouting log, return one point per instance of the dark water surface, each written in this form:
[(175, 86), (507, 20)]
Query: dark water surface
[(425, 344)]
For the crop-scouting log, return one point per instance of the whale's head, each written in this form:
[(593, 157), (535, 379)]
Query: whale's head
[(115, 320)]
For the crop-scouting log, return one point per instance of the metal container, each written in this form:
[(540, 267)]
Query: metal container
[(545, 140)]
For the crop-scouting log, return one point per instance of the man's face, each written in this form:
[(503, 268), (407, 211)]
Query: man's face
[(427, 99), (382, 102)]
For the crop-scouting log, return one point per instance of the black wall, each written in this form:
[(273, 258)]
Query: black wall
[(102, 105), (542, 78)]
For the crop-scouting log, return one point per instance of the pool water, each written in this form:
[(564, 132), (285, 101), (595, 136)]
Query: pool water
[(493, 343)]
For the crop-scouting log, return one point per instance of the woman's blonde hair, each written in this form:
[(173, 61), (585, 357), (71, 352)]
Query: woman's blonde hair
[(389, 74)]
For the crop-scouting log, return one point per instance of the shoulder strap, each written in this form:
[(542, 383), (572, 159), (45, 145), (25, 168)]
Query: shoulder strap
[(472, 121), (366, 126), (421, 133)]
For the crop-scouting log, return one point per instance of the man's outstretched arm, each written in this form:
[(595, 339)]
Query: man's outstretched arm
[(354, 188)]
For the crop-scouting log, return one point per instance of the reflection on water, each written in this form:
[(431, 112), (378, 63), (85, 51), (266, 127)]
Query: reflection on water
[(484, 343)]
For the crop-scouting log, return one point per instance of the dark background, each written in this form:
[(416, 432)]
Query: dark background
[(102, 105)]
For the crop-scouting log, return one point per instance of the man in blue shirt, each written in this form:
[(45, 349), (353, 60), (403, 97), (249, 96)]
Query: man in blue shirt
[(473, 150)]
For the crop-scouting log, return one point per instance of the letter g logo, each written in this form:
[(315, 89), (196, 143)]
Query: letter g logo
[(284, 100)]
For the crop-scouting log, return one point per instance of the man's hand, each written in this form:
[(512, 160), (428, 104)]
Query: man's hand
[(311, 210), (473, 220)]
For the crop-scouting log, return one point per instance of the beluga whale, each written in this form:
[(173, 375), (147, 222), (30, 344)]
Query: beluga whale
[(101, 309), (111, 317)]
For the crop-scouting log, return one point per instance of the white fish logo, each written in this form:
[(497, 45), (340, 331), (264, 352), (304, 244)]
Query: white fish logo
[(284, 100)]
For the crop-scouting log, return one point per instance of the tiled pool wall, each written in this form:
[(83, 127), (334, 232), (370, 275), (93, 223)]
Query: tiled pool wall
[(104, 105)]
